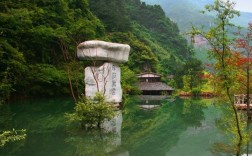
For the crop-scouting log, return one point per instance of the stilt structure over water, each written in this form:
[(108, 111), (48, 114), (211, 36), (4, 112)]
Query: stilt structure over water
[(240, 101)]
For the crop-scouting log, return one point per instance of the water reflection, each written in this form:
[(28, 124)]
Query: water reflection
[(197, 140), (98, 142), (149, 102), (227, 125), (156, 132), (6, 117), (44, 121), (191, 127)]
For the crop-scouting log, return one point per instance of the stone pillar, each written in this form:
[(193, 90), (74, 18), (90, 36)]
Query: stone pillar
[(105, 78)]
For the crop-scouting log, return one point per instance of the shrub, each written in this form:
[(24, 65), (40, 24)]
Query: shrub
[(12, 136), (91, 112), (196, 92)]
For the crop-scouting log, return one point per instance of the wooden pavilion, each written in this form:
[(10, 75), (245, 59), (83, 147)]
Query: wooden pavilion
[(150, 84)]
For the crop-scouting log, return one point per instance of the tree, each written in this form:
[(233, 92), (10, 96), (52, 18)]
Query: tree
[(112, 13), (11, 136), (141, 57), (129, 81), (220, 49), (193, 68), (31, 36), (11, 68), (91, 112), (244, 45), (6, 134)]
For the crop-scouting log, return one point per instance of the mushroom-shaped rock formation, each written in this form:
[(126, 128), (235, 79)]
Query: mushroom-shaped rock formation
[(104, 78), (100, 50)]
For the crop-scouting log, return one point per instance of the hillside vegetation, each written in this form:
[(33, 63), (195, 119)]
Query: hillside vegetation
[(189, 13), (38, 42)]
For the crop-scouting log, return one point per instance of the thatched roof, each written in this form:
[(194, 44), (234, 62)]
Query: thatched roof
[(155, 86)]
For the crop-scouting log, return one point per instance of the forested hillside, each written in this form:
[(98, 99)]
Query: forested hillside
[(187, 12), (38, 42)]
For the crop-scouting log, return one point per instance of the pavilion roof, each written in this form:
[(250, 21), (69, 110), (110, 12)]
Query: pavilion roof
[(155, 86), (145, 75)]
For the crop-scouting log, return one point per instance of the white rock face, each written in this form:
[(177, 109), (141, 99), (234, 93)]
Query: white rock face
[(100, 50), (105, 79), (114, 125)]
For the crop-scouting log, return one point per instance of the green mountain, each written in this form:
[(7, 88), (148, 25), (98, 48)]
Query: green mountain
[(187, 12), (184, 12), (243, 19), (38, 42)]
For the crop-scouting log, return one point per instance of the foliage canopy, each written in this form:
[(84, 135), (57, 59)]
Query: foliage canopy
[(38, 42), (91, 112)]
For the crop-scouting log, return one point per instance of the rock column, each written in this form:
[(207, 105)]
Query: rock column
[(106, 77)]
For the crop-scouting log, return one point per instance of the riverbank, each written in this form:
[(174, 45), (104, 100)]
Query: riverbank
[(201, 94)]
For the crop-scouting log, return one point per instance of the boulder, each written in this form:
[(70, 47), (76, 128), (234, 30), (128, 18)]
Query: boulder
[(105, 79), (100, 50)]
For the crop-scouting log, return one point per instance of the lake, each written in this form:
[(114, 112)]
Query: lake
[(150, 127)]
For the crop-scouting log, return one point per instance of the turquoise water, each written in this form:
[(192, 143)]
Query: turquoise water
[(177, 127)]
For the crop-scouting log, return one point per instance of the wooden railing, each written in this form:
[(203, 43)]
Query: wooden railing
[(240, 101)]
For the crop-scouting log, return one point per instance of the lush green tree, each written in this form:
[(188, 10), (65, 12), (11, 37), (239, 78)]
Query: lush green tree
[(44, 34), (165, 32), (220, 49), (46, 80), (113, 13), (194, 69), (31, 37), (152, 28), (243, 44), (227, 124), (11, 136), (11, 67), (129, 81), (141, 57), (91, 112)]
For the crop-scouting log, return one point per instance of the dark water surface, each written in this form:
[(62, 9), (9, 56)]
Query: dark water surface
[(172, 127)]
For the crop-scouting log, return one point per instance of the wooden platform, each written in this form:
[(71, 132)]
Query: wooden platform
[(243, 106), (240, 101)]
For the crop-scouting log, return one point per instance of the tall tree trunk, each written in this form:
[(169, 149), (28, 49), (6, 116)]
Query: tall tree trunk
[(225, 51), (70, 84), (238, 147), (248, 92)]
